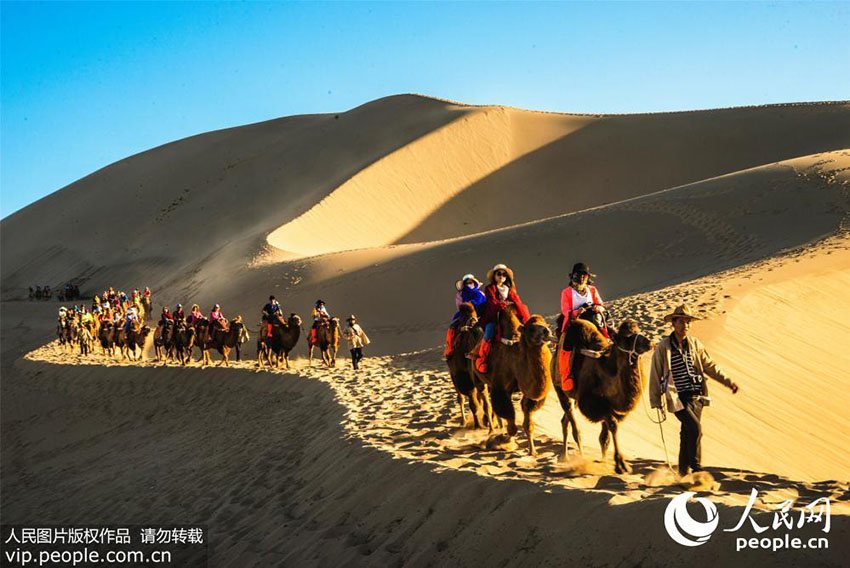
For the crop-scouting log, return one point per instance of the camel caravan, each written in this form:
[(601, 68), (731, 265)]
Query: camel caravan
[(118, 323), (495, 348)]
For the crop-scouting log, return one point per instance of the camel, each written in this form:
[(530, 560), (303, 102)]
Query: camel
[(164, 342), (327, 339), (224, 339), (146, 306), (284, 336), (132, 338), (63, 332), (184, 340), (520, 362), (201, 324), (467, 385), (107, 338), (607, 380)]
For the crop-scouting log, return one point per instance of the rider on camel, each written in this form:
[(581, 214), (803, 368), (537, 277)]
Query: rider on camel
[(216, 318), (195, 315), (319, 313), (270, 312), (164, 317), (468, 290), (500, 293), (179, 314), (577, 298), (131, 319)]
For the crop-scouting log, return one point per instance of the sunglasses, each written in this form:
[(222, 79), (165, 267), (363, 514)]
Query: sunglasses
[(501, 273)]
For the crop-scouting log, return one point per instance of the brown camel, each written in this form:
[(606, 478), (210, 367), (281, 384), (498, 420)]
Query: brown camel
[(226, 338), (163, 342), (107, 338), (327, 339), (520, 362), (467, 385), (133, 338), (607, 380), (184, 340), (283, 338), (201, 325)]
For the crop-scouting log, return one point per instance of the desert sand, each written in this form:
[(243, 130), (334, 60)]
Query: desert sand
[(742, 212)]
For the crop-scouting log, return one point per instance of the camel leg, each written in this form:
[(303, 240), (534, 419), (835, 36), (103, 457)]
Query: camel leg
[(475, 408), (576, 434), (603, 439), (620, 465), (529, 406), (462, 410)]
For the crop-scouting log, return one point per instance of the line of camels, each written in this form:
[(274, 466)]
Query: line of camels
[(176, 340), (606, 376), (607, 380)]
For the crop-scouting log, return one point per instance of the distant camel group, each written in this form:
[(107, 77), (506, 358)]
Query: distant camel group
[(607, 381)]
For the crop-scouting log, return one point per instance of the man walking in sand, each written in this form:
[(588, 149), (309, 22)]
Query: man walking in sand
[(679, 365)]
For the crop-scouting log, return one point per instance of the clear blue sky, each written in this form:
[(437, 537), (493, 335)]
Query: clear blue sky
[(86, 84)]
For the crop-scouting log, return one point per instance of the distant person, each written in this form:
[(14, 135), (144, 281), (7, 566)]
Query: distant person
[(679, 365), (468, 290), (357, 339)]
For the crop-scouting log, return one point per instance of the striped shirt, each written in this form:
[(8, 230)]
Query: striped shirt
[(685, 376)]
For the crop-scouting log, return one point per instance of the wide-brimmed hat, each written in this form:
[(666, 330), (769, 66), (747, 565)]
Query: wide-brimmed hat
[(459, 283), (581, 268), (498, 267), (683, 311), (351, 317)]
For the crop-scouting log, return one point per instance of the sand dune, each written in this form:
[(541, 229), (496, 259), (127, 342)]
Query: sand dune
[(378, 210)]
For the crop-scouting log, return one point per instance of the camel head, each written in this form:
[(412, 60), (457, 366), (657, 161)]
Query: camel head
[(581, 334), (535, 331), (294, 319), (334, 323), (146, 329), (467, 312), (629, 338)]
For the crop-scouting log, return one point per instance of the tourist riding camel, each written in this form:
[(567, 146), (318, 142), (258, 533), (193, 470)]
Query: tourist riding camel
[(195, 315), (318, 313), (357, 340), (679, 365), (576, 299), (216, 319), (271, 311), (499, 293), (165, 316), (179, 314), (468, 291)]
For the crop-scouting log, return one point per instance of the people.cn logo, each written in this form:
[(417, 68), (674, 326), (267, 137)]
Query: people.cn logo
[(682, 527)]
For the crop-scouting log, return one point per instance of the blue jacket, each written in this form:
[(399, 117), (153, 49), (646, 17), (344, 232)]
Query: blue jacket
[(475, 297)]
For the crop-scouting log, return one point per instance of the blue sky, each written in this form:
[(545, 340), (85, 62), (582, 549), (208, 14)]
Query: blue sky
[(83, 85)]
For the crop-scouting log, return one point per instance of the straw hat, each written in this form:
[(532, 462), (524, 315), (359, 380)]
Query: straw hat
[(459, 283), (351, 318), (683, 311), (500, 267)]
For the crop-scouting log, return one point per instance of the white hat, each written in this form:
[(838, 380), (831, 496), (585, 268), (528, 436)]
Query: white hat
[(459, 283)]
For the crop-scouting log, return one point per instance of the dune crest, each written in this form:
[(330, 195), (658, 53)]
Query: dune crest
[(381, 203)]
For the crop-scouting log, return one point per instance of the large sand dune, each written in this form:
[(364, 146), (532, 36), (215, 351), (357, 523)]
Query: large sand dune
[(378, 210)]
